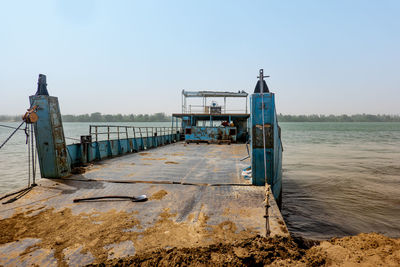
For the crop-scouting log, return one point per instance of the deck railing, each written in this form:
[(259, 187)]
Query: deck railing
[(111, 132), (201, 109), (111, 140)]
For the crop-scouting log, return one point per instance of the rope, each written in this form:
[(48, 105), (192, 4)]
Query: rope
[(31, 150), (11, 194), (20, 193), (141, 198), (36, 156), (33, 158), (263, 122), (152, 182), (8, 138), (29, 155), (267, 206), (11, 127)]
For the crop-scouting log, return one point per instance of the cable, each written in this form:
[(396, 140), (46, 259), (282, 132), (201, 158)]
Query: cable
[(263, 121), (8, 138), (11, 127), (140, 198), (33, 158), (29, 155), (36, 157), (20, 193)]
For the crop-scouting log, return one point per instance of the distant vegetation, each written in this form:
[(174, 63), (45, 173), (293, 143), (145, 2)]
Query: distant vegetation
[(98, 117), (160, 117), (10, 118), (339, 118)]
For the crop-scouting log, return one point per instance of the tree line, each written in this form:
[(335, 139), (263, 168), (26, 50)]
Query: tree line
[(162, 117), (339, 118), (98, 117)]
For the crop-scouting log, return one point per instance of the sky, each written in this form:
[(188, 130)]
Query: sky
[(323, 57)]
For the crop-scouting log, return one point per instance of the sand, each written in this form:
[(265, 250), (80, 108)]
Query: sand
[(361, 250), (95, 231), (158, 195)]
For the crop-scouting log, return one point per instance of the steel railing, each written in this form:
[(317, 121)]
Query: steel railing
[(202, 109), (110, 132)]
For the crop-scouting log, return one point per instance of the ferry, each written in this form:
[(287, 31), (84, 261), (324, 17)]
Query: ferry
[(214, 176)]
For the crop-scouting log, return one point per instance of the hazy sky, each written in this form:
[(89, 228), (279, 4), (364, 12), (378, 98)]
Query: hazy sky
[(136, 56)]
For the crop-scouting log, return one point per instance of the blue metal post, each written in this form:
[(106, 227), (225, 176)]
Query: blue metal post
[(267, 136), (50, 141)]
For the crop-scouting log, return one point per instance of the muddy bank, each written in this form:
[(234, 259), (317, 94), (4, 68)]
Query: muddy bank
[(364, 249)]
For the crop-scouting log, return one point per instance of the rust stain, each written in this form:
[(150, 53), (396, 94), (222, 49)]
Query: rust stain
[(177, 154), (171, 162), (153, 158), (158, 195), (238, 212)]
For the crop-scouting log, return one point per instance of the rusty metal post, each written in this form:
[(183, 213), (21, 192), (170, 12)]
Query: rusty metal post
[(141, 136), (147, 137), (49, 133)]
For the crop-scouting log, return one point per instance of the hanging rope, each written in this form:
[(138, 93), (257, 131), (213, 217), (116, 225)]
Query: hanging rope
[(33, 157), (29, 118), (29, 154), (263, 121), (31, 166), (16, 128), (11, 127)]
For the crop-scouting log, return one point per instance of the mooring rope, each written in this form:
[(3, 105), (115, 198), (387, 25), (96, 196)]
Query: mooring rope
[(267, 206), (8, 138), (11, 127), (32, 150), (263, 121)]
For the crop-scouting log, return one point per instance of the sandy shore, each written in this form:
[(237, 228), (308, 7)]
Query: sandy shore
[(362, 250)]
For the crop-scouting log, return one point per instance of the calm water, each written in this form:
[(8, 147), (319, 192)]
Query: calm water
[(339, 178)]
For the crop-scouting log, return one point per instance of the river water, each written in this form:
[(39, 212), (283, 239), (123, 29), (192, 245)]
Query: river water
[(338, 178)]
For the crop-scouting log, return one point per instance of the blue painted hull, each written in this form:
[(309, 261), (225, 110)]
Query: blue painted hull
[(268, 170)]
